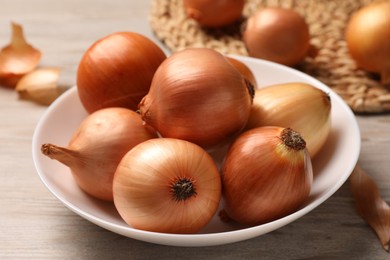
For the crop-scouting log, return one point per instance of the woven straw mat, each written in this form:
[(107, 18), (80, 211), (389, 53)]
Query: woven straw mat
[(327, 20)]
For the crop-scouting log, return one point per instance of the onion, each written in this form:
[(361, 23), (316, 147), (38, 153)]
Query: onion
[(214, 13), (368, 38), (267, 174), (299, 106), (277, 34), (116, 71), (198, 96), (98, 145), (167, 185)]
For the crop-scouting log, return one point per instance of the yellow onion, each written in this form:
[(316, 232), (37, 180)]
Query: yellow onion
[(299, 106), (277, 34), (198, 96), (267, 174), (167, 185), (214, 13), (116, 71), (98, 145), (368, 38)]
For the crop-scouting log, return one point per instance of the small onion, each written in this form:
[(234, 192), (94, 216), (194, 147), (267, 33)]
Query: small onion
[(167, 185), (368, 38), (97, 147), (214, 13), (299, 106), (277, 34), (267, 174), (116, 71), (198, 96)]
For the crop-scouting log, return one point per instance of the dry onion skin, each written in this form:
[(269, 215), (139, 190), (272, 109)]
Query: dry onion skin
[(98, 145), (368, 38), (116, 71), (214, 13), (277, 34), (198, 96), (17, 58), (40, 85), (167, 185), (297, 105), (267, 174), (370, 205)]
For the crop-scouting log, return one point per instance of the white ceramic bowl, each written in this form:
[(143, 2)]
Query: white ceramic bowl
[(332, 166)]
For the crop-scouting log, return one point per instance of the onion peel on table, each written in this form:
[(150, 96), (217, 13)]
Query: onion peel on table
[(370, 205), (17, 58)]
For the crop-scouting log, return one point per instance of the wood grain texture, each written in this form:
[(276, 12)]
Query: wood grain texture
[(35, 225)]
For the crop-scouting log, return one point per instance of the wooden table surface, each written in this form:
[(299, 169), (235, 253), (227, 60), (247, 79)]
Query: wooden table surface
[(35, 225)]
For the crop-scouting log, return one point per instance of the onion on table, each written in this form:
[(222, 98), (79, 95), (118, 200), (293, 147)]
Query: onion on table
[(214, 13), (277, 34), (368, 38)]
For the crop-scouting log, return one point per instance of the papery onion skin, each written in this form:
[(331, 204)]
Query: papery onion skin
[(368, 38), (297, 105), (17, 58), (214, 13), (277, 34), (263, 179), (143, 187), (40, 86), (198, 96), (97, 146), (116, 71)]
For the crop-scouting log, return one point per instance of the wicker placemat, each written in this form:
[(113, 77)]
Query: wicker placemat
[(327, 20)]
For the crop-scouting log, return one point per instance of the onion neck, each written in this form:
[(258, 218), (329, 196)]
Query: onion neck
[(61, 154), (183, 189), (292, 139)]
